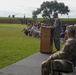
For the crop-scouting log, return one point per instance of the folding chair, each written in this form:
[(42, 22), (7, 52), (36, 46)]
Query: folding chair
[(58, 67)]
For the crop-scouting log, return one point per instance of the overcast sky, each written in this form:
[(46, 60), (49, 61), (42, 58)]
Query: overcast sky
[(21, 7)]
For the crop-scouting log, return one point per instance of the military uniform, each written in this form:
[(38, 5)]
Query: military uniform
[(56, 32), (68, 52)]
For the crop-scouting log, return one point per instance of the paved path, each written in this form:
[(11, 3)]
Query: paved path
[(28, 66)]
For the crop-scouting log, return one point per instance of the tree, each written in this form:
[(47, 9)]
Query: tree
[(48, 8), (34, 14), (9, 16), (13, 16)]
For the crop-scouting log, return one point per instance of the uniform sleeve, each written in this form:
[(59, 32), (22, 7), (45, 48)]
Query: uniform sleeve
[(65, 53), (56, 24)]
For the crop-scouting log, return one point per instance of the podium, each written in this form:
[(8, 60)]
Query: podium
[(46, 45)]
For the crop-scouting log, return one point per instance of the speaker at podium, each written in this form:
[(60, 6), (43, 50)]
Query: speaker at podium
[(46, 45)]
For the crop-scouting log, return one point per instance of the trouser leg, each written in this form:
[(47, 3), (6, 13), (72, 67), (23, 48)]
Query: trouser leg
[(51, 37), (48, 70), (57, 42)]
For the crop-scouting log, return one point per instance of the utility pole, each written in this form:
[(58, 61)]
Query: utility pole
[(24, 18)]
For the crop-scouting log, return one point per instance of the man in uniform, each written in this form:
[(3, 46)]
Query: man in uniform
[(68, 52), (56, 30)]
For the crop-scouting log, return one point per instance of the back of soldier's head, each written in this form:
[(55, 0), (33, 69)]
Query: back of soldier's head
[(71, 30)]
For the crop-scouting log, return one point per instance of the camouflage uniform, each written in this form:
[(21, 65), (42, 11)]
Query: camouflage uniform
[(56, 34), (68, 52)]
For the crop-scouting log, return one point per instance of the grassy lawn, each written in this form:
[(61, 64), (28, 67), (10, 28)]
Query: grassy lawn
[(14, 45)]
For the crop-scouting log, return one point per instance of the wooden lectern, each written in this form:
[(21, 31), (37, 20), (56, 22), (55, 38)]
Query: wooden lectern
[(45, 40)]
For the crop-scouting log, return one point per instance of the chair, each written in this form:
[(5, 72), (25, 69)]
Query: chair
[(58, 67)]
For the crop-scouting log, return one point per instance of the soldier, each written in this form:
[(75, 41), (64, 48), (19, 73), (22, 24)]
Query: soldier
[(68, 52), (56, 31)]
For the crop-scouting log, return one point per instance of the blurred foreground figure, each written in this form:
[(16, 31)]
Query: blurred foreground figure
[(68, 52)]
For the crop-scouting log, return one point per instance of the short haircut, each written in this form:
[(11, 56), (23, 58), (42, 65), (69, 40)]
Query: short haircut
[(55, 13), (71, 30)]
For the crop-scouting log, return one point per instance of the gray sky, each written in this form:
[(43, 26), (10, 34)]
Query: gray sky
[(21, 7)]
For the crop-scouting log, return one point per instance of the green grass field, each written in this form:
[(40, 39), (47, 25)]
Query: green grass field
[(39, 19), (14, 45)]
